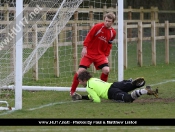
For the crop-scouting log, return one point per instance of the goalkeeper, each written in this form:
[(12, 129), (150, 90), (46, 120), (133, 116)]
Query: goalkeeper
[(96, 49), (117, 91)]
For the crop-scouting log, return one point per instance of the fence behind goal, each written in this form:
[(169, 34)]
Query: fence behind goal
[(52, 42), (56, 14)]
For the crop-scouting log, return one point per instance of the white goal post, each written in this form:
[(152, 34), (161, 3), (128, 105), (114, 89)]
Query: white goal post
[(19, 55), (25, 62), (120, 41)]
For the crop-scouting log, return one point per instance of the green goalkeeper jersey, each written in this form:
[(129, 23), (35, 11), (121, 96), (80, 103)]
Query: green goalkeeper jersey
[(97, 89)]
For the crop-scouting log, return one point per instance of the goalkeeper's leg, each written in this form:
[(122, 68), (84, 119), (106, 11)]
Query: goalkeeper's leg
[(137, 93), (123, 97)]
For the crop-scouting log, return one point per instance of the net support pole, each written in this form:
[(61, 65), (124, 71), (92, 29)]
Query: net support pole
[(19, 49), (120, 41)]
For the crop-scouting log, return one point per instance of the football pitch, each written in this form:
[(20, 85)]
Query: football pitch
[(58, 105), (88, 129)]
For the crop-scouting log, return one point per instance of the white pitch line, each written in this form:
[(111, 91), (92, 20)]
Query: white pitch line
[(51, 104), (162, 82), (7, 112), (47, 105)]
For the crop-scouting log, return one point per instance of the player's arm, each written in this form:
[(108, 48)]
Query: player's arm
[(110, 44), (88, 40), (84, 51), (93, 95)]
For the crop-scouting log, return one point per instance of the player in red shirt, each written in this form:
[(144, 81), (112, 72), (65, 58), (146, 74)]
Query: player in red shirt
[(96, 49)]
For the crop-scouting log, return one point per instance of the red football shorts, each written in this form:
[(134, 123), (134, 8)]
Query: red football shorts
[(97, 61)]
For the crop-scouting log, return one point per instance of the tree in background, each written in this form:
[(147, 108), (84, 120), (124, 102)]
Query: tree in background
[(161, 4)]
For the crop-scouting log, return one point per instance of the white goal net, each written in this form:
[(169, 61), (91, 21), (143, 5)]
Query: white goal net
[(53, 33)]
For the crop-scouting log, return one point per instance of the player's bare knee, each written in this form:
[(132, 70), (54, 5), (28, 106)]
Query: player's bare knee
[(105, 70)]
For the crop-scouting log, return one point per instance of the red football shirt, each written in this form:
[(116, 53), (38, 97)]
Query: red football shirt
[(99, 40)]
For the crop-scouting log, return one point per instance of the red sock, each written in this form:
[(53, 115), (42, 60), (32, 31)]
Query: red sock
[(104, 77), (74, 84)]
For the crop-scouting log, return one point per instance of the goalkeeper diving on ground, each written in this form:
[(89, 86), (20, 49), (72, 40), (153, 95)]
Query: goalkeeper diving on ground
[(117, 91)]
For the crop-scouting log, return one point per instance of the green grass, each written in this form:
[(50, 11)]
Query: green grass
[(54, 104), (87, 129), (161, 76)]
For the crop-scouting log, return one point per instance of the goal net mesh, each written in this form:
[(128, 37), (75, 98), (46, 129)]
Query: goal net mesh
[(53, 33)]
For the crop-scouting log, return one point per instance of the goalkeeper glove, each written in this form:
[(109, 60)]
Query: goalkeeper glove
[(76, 96)]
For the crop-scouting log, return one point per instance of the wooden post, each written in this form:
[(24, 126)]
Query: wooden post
[(167, 42), (156, 19), (56, 56), (130, 13), (152, 14), (44, 15), (35, 42), (125, 47), (26, 38), (104, 11), (74, 43), (141, 14), (91, 18), (142, 18), (11, 43), (156, 14), (139, 45), (62, 34), (110, 59), (130, 18), (153, 40)]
